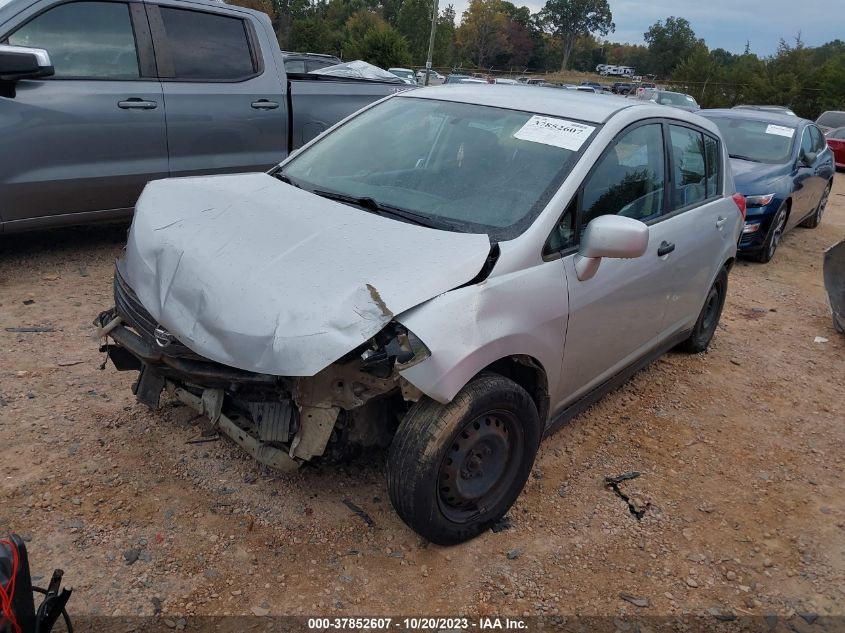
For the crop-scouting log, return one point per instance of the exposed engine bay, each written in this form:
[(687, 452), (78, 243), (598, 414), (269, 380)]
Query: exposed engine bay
[(352, 404)]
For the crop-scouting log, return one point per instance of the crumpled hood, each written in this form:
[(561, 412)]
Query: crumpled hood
[(262, 276)]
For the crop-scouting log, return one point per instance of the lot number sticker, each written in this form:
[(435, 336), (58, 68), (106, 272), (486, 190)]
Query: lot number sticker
[(780, 130), (557, 132)]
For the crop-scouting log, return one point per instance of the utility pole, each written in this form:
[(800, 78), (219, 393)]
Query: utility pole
[(434, 15)]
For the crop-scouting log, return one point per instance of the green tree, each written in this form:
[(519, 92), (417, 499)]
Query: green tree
[(444, 38), (669, 43), (414, 24), (380, 45), (570, 20)]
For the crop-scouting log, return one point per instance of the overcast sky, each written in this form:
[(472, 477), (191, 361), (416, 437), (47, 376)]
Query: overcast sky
[(724, 23)]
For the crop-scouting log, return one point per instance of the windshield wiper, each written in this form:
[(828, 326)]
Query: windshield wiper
[(741, 157), (286, 179), (373, 205)]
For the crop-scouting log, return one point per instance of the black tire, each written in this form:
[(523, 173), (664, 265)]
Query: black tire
[(455, 469), (708, 320), (814, 220), (772, 242)]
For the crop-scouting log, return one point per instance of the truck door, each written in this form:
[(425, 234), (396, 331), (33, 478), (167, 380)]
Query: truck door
[(90, 137), (226, 109)]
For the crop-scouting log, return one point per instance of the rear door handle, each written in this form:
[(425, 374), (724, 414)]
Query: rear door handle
[(265, 104), (665, 248), (137, 104), (721, 222)]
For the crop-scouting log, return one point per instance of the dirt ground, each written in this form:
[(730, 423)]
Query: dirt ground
[(740, 452)]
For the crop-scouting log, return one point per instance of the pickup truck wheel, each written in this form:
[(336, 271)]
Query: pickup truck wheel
[(708, 320), (455, 469)]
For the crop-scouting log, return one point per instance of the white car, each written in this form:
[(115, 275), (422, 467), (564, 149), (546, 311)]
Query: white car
[(405, 74), (451, 272), (434, 78)]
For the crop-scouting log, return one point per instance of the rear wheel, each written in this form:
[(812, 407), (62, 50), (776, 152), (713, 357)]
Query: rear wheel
[(773, 238), (814, 220), (705, 327), (455, 469)]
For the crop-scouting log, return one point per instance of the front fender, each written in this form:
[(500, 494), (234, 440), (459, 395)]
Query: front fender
[(523, 313)]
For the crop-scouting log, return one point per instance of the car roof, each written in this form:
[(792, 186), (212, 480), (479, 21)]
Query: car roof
[(583, 107), (769, 116), (404, 70)]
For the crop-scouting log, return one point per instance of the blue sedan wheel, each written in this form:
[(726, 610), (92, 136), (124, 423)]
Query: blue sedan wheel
[(773, 239)]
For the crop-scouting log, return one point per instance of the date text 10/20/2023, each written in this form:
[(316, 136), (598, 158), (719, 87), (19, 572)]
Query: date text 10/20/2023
[(417, 623)]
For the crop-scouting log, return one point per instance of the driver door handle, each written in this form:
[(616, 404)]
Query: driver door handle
[(265, 104), (137, 104), (665, 248)]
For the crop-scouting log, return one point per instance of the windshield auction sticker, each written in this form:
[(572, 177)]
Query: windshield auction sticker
[(780, 130), (557, 132)]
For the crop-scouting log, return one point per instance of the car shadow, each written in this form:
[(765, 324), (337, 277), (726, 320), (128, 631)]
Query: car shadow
[(62, 240)]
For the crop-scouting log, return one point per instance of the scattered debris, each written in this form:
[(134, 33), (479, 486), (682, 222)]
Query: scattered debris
[(615, 481), (736, 362), (502, 524), (692, 582), (635, 600), (131, 555), (27, 330), (563, 490), (808, 617), (821, 339), (203, 440), (636, 504), (69, 363), (360, 512), (513, 554), (28, 302), (260, 611), (723, 615)]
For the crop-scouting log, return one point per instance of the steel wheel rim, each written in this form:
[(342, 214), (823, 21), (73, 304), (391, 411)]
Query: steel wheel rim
[(479, 465)]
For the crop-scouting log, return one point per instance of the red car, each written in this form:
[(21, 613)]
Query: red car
[(836, 142)]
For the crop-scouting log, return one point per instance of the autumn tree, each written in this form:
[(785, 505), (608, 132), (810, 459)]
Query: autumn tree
[(482, 34), (569, 20)]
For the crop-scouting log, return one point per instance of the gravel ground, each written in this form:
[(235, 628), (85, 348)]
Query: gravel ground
[(740, 452)]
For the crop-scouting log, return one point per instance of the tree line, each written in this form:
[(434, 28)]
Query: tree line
[(563, 35)]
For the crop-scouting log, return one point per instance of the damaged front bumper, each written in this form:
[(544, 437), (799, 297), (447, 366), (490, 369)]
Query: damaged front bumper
[(280, 421)]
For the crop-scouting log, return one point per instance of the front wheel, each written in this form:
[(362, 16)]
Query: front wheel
[(455, 469), (814, 220), (705, 327), (773, 238)]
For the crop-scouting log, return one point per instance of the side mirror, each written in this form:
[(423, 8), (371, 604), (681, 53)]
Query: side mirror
[(21, 62), (807, 159), (609, 236)]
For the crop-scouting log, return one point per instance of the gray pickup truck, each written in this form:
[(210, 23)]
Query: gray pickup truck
[(99, 97)]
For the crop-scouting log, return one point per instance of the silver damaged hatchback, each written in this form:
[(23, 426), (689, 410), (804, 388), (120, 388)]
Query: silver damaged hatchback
[(451, 273)]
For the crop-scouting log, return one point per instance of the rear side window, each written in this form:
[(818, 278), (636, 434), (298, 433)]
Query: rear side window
[(206, 46), (807, 144), (85, 40), (714, 163), (689, 184), (629, 180)]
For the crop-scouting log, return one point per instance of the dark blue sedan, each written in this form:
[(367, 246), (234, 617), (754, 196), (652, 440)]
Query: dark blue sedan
[(784, 168)]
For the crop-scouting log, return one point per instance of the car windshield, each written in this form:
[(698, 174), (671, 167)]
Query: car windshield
[(455, 166), (755, 140), (676, 98), (832, 119)]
